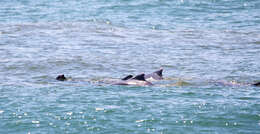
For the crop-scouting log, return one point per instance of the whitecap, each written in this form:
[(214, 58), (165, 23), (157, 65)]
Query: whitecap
[(69, 113), (138, 121), (99, 109), (35, 122)]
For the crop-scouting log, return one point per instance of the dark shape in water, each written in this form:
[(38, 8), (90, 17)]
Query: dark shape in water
[(127, 77), (61, 78), (157, 75), (140, 77), (138, 80), (256, 84)]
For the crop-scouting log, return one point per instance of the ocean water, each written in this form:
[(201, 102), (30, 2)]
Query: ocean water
[(209, 50)]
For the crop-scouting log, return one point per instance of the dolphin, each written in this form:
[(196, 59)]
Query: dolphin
[(138, 80), (257, 84), (61, 78), (157, 75), (127, 77)]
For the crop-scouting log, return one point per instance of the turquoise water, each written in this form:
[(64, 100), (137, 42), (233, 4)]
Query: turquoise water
[(201, 44)]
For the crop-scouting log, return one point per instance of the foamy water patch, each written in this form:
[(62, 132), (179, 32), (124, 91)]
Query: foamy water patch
[(100, 109), (35, 121)]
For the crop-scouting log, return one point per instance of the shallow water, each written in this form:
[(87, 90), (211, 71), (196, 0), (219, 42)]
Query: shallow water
[(198, 43)]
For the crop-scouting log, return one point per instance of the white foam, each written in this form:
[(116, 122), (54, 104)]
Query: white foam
[(69, 113), (138, 121), (35, 122), (99, 109)]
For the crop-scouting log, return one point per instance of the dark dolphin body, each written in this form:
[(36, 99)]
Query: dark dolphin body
[(61, 78), (127, 77), (138, 80), (157, 75), (256, 84)]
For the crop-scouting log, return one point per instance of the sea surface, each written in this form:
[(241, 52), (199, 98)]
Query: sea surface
[(209, 50)]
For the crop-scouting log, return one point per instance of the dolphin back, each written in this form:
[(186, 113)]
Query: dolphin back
[(157, 75), (159, 72), (256, 84), (61, 77), (127, 77), (138, 80)]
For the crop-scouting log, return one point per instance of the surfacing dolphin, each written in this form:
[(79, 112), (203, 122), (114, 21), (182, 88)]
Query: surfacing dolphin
[(61, 78), (256, 84), (138, 80), (157, 75), (127, 77)]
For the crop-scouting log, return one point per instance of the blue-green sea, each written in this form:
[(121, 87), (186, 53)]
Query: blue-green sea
[(209, 50)]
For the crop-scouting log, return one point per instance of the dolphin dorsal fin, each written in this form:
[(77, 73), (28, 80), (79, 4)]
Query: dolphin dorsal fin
[(159, 72), (127, 77), (139, 77)]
